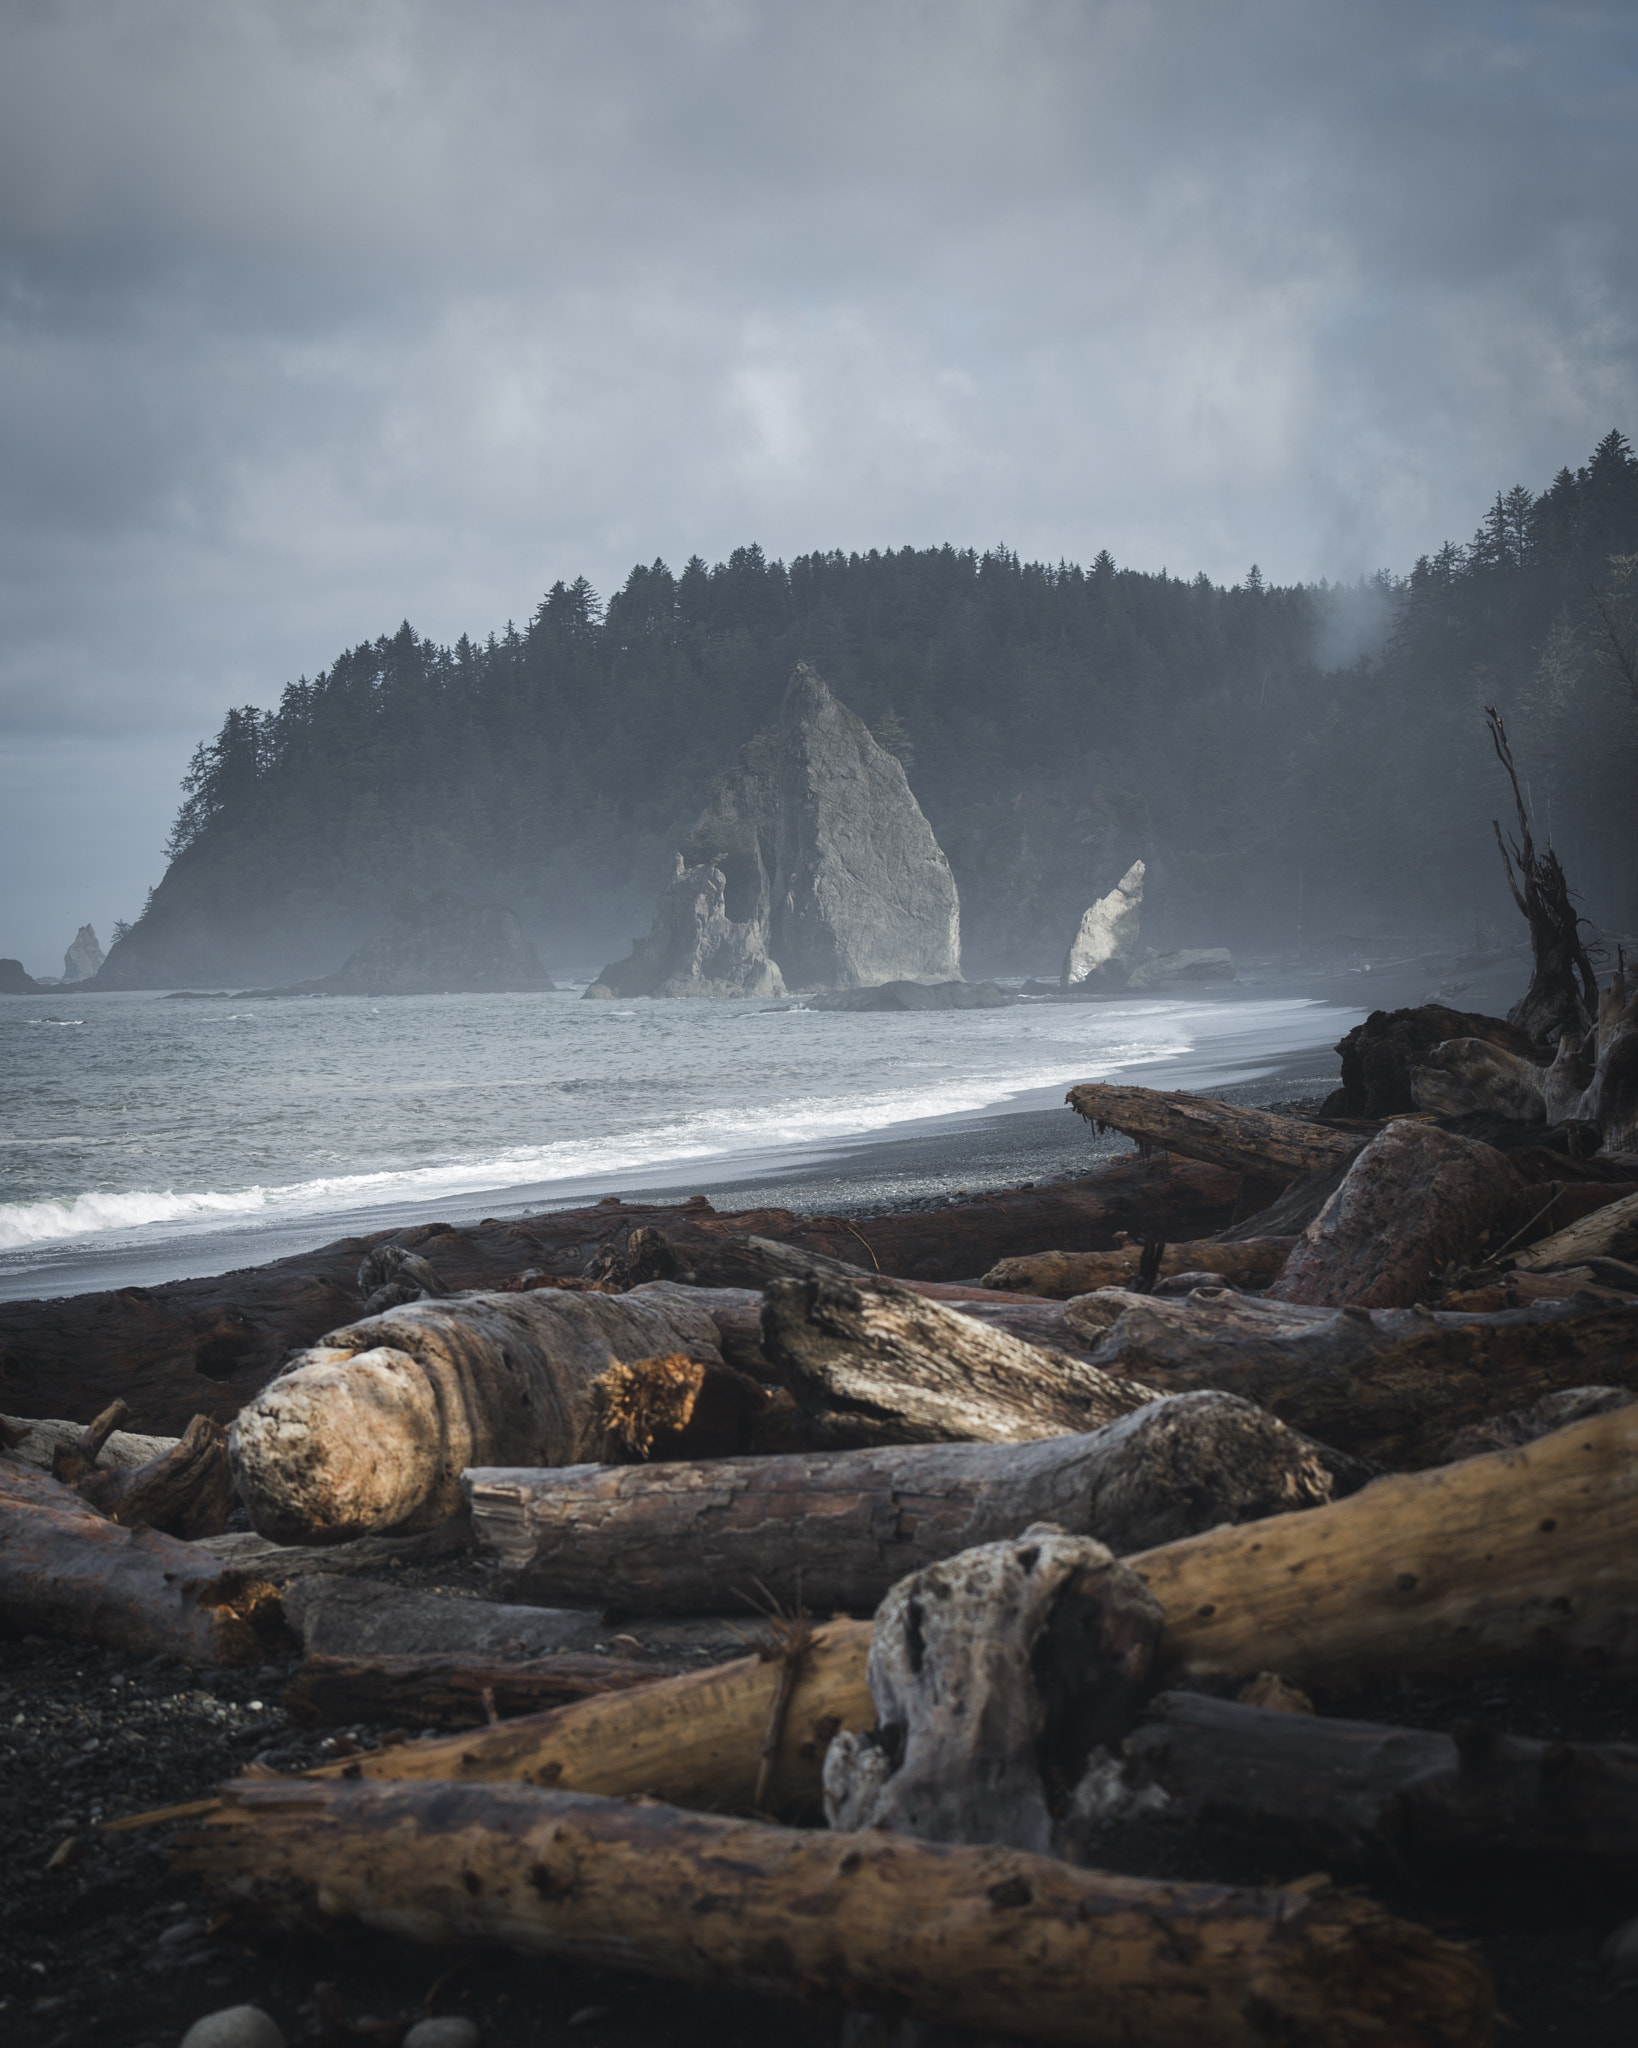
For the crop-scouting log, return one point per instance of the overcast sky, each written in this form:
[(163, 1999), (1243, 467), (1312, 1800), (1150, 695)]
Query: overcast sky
[(315, 317)]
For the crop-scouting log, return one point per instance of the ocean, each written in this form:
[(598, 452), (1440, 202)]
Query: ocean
[(145, 1137)]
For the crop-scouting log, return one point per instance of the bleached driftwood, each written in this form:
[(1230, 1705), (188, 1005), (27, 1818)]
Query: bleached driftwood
[(873, 1364), (837, 1529), (369, 1431), (983, 1937), (1609, 1232), (994, 1675)]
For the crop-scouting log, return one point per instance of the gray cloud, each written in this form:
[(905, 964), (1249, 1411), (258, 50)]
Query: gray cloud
[(313, 318)]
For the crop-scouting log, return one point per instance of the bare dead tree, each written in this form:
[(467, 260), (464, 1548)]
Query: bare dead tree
[(1563, 992)]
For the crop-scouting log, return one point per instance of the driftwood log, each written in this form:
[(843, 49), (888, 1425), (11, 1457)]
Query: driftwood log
[(208, 1346), (1380, 1056), (1607, 1232), (838, 1529), (66, 1570), (878, 1365), (453, 1692), (1527, 1557), (1253, 1141), (1390, 1385), (985, 1937), (1249, 1262), (369, 1431), (994, 1675), (1414, 1201), (1351, 1793), (185, 1490)]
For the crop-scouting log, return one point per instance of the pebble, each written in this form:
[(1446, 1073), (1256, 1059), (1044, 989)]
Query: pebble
[(235, 2026), (451, 2032)]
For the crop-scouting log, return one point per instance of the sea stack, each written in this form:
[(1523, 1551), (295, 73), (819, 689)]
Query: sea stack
[(84, 958), (1103, 945), (811, 868)]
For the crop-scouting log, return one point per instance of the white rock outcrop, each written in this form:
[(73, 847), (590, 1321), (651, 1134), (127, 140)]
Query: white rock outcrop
[(1108, 935), (84, 958)]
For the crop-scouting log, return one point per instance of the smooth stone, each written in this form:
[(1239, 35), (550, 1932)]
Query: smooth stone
[(455, 2031), (235, 2026)]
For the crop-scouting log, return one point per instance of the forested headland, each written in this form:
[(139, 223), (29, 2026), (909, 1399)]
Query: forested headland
[(1301, 767)]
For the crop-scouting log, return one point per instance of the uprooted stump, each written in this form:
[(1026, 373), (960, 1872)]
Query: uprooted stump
[(983, 1937), (994, 1676)]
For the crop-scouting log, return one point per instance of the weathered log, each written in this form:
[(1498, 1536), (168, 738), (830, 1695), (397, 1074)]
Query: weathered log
[(994, 1675), (1501, 1563), (696, 1740), (981, 1936), (66, 1570), (73, 1460), (1524, 1558), (1414, 1200), (1351, 1793), (207, 1346), (1251, 1141), (37, 1440), (453, 1692), (1541, 1418), (1248, 1262), (1380, 1056), (876, 1364), (1390, 1385), (837, 1529), (185, 1491), (1609, 1231), (369, 1431)]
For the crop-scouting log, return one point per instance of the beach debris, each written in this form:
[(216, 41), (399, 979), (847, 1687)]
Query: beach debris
[(1219, 1133), (1364, 1795), (872, 1363), (980, 1936), (1390, 1385), (368, 1431), (1414, 1201), (67, 1570), (454, 1691), (1250, 1262), (838, 1529)]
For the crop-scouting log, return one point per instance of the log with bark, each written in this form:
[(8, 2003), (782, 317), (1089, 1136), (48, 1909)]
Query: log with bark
[(66, 1570), (1526, 1558), (1415, 1201), (1389, 1385), (875, 1364), (453, 1692), (1357, 1793), (982, 1937), (207, 1346), (838, 1529), (369, 1431), (1249, 1141), (1248, 1262)]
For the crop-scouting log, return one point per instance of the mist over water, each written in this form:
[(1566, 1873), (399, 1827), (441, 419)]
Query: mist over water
[(138, 1120)]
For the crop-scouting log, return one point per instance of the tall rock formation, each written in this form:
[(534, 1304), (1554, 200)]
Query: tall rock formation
[(811, 867), (84, 958), (1101, 950)]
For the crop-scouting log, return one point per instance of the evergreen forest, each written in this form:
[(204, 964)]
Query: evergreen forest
[(1303, 767)]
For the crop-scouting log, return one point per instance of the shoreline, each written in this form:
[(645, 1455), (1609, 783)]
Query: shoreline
[(1029, 1137)]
